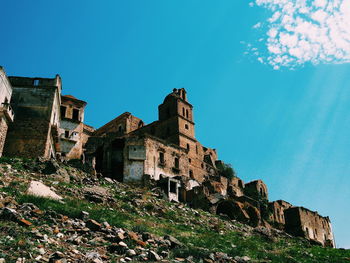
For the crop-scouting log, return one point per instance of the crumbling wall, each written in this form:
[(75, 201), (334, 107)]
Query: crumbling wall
[(123, 124), (6, 112), (308, 224), (277, 209), (37, 109), (3, 132), (256, 190), (164, 159)]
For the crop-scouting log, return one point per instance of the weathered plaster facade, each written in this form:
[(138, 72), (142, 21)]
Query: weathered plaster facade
[(36, 102), (72, 134), (6, 112)]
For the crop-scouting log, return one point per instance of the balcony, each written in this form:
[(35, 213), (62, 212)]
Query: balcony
[(7, 110)]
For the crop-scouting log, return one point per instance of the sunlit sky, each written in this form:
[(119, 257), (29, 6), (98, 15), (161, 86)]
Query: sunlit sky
[(271, 92)]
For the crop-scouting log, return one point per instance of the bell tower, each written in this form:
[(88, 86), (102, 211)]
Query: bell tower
[(176, 119)]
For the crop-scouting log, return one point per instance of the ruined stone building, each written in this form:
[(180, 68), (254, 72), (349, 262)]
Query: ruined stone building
[(163, 154), (167, 153), (6, 112), (35, 125), (35, 130), (74, 133)]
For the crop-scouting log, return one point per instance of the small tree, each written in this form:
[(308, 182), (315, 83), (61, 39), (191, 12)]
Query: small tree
[(226, 170)]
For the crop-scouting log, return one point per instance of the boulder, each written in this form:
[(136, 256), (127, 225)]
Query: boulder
[(37, 188)]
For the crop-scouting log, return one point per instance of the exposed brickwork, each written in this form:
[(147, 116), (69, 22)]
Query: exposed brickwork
[(305, 223)]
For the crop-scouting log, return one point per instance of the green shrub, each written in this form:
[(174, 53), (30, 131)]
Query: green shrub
[(226, 170)]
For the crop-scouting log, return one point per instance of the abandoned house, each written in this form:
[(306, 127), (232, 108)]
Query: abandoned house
[(164, 153), (309, 224), (74, 133), (6, 112), (35, 130), (38, 129)]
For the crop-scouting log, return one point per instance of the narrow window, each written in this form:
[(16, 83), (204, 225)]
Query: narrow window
[(173, 186), (176, 163), (196, 149), (120, 128), (315, 232), (261, 192), (63, 111), (186, 113), (186, 126), (66, 134), (202, 165), (36, 82), (161, 157), (183, 112), (191, 174), (188, 146), (75, 114), (189, 160)]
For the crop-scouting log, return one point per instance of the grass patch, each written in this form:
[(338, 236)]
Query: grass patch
[(73, 207)]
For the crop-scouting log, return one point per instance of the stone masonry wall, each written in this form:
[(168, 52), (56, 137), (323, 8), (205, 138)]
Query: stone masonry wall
[(3, 133)]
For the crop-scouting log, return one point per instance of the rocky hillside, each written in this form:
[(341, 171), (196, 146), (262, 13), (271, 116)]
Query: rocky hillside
[(88, 219)]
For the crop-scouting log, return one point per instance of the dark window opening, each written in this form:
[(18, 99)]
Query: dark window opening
[(315, 232), (177, 163), (187, 114), (36, 82), (186, 126), (196, 149), (202, 165), (173, 187), (307, 232), (261, 192), (161, 157), (183, 112), (66, 134), (120, 128), (75, 114), (191, 174), (63, 111), (189, 160), (188, 146)]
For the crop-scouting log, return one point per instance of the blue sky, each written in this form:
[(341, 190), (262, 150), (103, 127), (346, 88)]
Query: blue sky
[(271, 107)]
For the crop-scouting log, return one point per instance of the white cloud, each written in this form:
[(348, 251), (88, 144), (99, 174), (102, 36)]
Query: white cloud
[(303, 31)]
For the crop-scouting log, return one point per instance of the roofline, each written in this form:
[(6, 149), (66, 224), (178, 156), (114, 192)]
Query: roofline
[(73, 99)]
